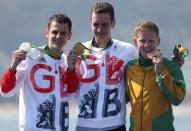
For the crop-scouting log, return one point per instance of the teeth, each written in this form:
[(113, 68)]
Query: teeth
[(152, 54), (148, 50)]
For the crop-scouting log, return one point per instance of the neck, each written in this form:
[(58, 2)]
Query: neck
[(144, 62), (102, 43), (54, 53)]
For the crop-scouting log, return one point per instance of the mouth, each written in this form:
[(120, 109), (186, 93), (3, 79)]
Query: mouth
[(148, 50), (151, 53), (58, 41)]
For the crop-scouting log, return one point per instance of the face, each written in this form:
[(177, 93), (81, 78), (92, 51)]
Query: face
[(102, 25), (146, 41), (58, 35)]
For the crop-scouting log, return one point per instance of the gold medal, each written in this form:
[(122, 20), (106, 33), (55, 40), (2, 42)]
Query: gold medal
[(79, 48)]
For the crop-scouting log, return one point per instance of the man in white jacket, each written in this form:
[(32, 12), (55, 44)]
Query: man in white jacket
[(44, 79), (101, 94)]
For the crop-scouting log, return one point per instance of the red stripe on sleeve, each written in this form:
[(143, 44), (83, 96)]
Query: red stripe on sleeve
[(8, 81)]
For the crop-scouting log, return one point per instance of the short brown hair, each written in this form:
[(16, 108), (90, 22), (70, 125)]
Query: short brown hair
[(146, 25), (103, 7), (62, 19)]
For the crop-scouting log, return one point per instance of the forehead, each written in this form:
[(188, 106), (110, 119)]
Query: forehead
[(54, 25), (147, 34), (100, 17)]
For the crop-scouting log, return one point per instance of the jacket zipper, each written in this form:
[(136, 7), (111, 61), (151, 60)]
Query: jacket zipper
[(56, 69), (142, 101)]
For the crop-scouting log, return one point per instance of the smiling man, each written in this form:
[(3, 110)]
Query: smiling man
[(44, 81), (153, 83), (101, 94)]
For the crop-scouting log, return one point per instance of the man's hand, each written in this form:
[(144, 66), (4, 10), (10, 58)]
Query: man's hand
[(17, 57), (157, 60), (180, 62), (72, 59)]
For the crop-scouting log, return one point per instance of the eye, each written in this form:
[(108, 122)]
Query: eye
[(151, 41), (104, 25), (54, 32), (63, 33), (143, 41), (96, 25)]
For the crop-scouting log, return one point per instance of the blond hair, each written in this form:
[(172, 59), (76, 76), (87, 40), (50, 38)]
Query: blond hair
[(146, 25)]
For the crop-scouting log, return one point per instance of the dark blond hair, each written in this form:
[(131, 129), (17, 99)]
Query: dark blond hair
[(101, 8), (146, 25), (62, 19)]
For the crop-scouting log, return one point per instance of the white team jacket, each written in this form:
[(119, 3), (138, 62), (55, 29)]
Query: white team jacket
[(40, 105), (101, 94)]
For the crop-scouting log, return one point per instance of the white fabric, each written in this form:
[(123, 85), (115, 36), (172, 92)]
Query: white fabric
[(41, 109), (101, 97)]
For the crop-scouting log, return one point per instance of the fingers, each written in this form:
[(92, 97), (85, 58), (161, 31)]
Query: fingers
[(158, 63), (152, 54), (72, 56), (180, 62), (72, 59), (79, 48), (17, 57), (157, 59), (19, 54), (155, 56), (73, 52)]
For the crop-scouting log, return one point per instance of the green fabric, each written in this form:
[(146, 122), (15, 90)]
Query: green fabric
[(177, 75), (130, 63), (164, 122), (46, 50), (131, 128), (146, 64)]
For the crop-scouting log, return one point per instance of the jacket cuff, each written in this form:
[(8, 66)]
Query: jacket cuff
[(8, 81)]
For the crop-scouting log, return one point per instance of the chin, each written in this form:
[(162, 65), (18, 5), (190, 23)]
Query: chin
[(144, 55)]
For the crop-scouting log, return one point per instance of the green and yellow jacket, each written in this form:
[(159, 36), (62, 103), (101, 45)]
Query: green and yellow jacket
[(151, 95)]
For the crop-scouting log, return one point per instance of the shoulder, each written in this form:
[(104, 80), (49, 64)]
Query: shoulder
[(171, 66), (169, 63), (129, 50), (130, 64), (36, 48), (122, 43), (35, 52), (125, 45)]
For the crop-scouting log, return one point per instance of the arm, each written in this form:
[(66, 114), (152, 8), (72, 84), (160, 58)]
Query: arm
[(8, 81), (171, 82), (71, 78), (72, 81), (126, 85)]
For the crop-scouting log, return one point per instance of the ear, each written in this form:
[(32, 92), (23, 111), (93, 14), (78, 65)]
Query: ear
[(47, 33), (135, 41), (113, 23), (70, 35), (158, 41)]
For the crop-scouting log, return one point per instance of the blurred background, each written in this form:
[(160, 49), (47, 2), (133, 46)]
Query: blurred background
[(26, 20)]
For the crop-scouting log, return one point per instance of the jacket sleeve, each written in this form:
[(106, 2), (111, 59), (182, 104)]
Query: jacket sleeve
[(8, 82), (171, 82), (72, 81)]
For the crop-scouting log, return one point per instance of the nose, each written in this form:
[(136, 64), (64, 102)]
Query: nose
[(147, 43), (58, 35)]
